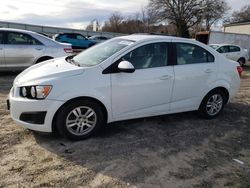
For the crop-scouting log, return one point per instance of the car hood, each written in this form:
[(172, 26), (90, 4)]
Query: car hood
[(51, 69)]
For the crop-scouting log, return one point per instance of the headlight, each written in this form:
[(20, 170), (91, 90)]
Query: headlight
[(24, 91), (35, 92)]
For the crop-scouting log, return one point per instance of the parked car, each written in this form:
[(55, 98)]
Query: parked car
[(232, 52), (20, 49), (123, 78), (98, 38), (78, 41)]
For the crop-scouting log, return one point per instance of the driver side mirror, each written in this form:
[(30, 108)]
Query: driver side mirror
[(126, 66)]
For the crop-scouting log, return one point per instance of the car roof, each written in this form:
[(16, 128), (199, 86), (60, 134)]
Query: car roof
[(17, 30), (145, 37)]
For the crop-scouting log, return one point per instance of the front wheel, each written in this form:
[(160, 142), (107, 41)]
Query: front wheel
[(79, 119), (212, 104)]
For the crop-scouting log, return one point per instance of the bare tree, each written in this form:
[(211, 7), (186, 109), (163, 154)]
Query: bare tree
[(140, 22), (182, 13), (114, 22), (213, 11), (241, 16), (90, 27)]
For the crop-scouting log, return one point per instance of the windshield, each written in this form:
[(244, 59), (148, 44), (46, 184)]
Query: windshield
[(214, 46), (99, 53)]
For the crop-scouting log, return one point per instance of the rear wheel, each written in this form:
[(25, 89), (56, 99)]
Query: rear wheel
[(80, 119), (212, 104)]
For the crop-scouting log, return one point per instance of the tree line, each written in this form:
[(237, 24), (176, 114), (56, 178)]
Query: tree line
[(175, 17)]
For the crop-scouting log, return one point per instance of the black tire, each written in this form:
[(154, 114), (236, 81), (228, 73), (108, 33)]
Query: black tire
[(242, 61), (204, 109), (66, 112)]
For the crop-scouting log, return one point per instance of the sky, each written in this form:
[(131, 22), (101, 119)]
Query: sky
[(74, 13)]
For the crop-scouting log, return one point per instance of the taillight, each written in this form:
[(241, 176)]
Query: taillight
[(68, 50), (240, 70)]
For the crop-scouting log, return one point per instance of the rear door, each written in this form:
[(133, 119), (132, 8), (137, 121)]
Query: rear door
[(1, 49), (22, 50), (234, 53), (195, 69)]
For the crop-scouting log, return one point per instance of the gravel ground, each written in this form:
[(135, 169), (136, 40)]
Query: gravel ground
[(178, 150)]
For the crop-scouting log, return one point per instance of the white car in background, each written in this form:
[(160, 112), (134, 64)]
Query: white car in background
[(123, 78), (232, 52), (20, 49)]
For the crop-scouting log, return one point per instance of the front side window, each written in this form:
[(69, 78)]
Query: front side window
[(148, 56), (234, 48), (71, 36), (223, 49), (192, 54), (21, 39), (99, 53)]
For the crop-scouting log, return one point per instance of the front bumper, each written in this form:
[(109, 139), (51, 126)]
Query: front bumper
[(26, 112)]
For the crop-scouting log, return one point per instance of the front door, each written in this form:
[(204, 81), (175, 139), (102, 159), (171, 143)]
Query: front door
[(21, 50), (147, 91)]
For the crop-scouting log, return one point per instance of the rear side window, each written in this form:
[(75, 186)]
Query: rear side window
[(223, 49), (1, 37), (21, 39), (148, 56), (234, 48), (192, 54)]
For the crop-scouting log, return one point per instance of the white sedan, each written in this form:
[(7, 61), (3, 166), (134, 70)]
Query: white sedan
[(20, 49), (232, 52), (123, 78)]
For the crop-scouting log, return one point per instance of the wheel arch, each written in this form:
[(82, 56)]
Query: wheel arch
[(104, 109), (242, 58), (221, 88), (43, 58)]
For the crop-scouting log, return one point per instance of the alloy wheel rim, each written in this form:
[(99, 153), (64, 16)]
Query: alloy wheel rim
[(214, 104), (81, 120)]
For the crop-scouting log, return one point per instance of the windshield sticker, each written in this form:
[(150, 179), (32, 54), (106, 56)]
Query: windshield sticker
[(124, 42)]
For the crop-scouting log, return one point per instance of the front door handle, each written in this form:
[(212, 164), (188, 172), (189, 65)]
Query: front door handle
[(38, 49), (165, 77)]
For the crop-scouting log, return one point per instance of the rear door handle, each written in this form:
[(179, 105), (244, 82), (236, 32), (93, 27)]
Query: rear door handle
[(208, 71), (38, 49), (165, 77)]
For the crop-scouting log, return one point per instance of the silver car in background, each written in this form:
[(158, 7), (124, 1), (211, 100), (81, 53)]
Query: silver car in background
[(20, 49)]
